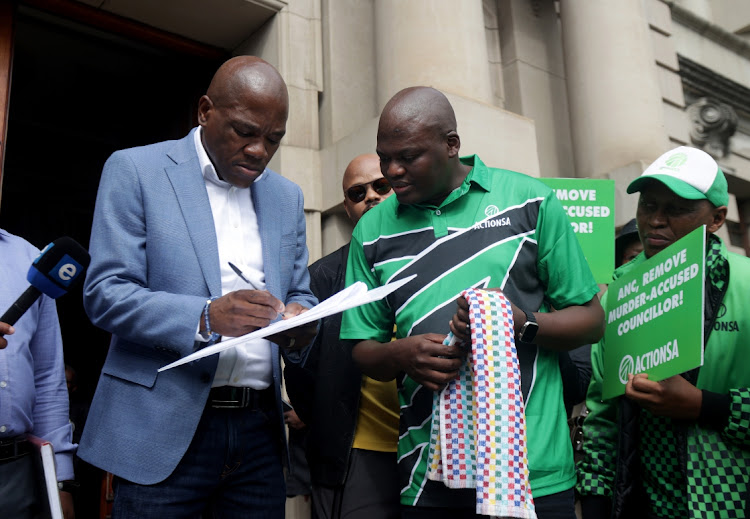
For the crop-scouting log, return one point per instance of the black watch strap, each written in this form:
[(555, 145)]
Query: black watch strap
[(69, 486), (529, 329)]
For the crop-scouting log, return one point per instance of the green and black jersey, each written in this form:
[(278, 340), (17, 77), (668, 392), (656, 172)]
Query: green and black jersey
[(498, 229), (686, 469)]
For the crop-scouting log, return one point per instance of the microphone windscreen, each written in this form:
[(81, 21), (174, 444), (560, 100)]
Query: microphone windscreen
[(59, 267)]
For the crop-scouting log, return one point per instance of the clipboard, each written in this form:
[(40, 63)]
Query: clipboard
[(46, 457)]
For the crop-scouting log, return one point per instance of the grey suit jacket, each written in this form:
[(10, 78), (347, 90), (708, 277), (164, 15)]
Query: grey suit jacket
[(154, 262)]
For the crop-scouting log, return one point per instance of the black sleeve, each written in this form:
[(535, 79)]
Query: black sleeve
[(715, 410), (301, 379), (596, 507), (575, 368)]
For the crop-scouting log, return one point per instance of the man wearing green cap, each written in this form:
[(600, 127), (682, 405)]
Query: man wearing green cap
[(679, 447)]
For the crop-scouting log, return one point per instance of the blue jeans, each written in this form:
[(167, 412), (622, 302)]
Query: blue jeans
[(554, 506), (232, 469)]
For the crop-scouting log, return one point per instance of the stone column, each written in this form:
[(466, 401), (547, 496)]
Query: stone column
[(438, 43), (615, 102)]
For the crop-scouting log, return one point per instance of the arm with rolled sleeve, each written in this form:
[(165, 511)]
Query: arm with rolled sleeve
[(51, 414)]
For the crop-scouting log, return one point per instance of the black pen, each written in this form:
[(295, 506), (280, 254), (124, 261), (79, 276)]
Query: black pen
[(243, 278), (240, 274)]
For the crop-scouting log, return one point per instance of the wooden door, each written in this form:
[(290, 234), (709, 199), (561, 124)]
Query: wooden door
[(6, 59)]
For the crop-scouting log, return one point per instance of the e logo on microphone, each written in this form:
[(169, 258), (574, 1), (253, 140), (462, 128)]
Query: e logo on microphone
[(66, 270), (52, 281)]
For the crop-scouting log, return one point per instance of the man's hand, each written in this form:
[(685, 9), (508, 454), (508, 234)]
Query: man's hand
[(674, 397), (66, 500), (293, 421), (562, 330), (459, 325), (299, 337), (5, 329), (242, 311), (428, 361)]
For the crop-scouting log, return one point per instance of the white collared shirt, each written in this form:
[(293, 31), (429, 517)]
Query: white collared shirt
[(238, 236)]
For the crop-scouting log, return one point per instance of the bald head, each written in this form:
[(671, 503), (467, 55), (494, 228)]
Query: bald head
[(418, 146), (243, 118), (367, 164), (246, 74), (364, 186), (423, 106)]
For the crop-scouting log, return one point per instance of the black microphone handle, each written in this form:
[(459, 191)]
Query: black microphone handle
[(19, 307)]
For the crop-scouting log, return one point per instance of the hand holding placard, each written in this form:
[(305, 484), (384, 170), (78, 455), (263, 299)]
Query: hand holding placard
[(655, 316)]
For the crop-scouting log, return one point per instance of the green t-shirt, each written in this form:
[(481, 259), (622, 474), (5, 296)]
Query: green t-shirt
[(498, 229)]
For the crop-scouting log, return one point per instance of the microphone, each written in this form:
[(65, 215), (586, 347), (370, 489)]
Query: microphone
[(58, 267)]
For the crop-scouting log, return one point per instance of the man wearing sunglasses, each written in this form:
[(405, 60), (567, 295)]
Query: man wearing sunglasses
[(367, 186), (352, 419)]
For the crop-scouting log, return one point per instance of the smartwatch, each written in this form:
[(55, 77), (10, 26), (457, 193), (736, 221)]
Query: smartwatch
[(529, 329)]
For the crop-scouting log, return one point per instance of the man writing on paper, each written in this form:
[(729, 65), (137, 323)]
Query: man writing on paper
[(352, 420), (169, 220), (33, 394), (679, 447), (459, 224)]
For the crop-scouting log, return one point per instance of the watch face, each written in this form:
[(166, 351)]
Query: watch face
[(528, 332)]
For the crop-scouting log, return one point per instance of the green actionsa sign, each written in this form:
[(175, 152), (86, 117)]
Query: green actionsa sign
[(655, 316), (590, 206)]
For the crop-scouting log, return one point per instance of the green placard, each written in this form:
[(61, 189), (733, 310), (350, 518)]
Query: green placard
[(655, 316), (590, 206)]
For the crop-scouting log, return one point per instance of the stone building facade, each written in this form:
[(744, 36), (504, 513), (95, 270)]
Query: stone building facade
[(560, 89), (557, 88), (554, 88)]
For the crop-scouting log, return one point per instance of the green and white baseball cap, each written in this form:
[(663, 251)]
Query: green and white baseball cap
[(689, 173)]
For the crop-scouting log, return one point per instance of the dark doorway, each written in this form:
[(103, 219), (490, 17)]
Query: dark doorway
[(77, 95)]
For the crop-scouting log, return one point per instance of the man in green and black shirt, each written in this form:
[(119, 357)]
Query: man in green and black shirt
[(459, 224)]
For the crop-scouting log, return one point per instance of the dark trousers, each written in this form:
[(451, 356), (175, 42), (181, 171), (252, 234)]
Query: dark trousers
[(370, 491), (21, 492), (554, 506), (231, 470)]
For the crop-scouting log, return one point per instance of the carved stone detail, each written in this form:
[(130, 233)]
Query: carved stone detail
[(712, 124)]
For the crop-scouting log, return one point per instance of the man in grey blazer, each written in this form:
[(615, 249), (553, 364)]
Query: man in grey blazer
[(193, 240)]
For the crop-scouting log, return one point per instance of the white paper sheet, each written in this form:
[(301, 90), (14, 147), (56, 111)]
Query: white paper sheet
[(352, 296)]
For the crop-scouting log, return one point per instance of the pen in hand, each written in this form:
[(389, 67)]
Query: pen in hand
[(240, 274), (243, 278)]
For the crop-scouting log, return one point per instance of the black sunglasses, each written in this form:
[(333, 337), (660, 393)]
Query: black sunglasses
[(357, 193)]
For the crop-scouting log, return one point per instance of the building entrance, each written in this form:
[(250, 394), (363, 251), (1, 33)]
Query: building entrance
[(78, 93)]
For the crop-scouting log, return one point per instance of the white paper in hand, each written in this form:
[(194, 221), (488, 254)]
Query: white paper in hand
[(352, 296)]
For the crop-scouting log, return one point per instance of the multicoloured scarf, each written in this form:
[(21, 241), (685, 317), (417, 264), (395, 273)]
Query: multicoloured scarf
[(478, 437)]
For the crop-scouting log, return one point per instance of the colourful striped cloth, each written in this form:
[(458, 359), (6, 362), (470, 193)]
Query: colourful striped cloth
[(478, 437)]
